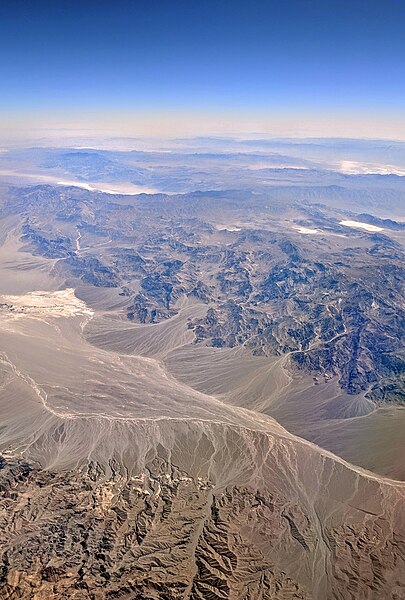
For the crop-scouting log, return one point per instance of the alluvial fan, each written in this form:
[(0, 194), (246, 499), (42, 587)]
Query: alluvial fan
[(144, 360)]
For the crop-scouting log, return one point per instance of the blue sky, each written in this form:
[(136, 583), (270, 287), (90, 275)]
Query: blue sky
[(299, 57)]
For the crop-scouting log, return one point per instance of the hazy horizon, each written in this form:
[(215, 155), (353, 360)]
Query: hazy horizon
[(312, 69), (202, 318)]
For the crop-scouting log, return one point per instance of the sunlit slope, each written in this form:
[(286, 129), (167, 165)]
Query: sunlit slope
[(124, 436), (68, 405)]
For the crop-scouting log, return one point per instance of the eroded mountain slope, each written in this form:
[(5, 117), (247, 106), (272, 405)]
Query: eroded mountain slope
[(333, 297), (139, 457), (294, 524)]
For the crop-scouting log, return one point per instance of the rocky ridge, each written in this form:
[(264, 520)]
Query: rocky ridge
[(165, 535)]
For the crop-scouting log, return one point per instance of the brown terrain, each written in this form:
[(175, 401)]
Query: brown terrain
[(201, 398)]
